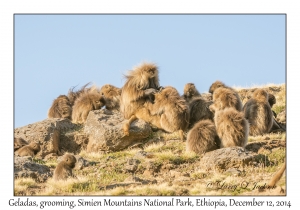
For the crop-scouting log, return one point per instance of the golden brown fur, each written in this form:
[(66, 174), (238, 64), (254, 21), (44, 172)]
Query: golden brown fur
[(64, 168), (258, 112), (172, 110), (87, 101), (29, 150), (18, 143), (199, 110), (277, 176), (141, 83), (111, 96), (224, 96), (190, 92), (217, 84), (60, 108), (232, 127), (73, 95), (202, 137)]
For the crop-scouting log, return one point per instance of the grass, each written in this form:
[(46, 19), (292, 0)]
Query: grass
[(277, 136), (23, 186), (163, 189), (166, 136), (278, 108), (94, 179), (107, 174), (70, 186)]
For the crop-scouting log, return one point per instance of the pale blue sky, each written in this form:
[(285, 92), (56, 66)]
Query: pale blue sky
[(56, 52)]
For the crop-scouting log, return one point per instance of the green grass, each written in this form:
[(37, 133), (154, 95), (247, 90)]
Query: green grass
[(166, 153), (278, 108)]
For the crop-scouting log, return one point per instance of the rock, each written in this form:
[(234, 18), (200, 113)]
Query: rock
[(131, 165), (52, 134), (255, 146), (143, 154), (25, 167), (266, 145), (225, 158), (75, 140), (81, 163), (153, 167), (105, 131)]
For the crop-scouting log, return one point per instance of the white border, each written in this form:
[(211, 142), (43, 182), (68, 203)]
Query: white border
[(9, 8)]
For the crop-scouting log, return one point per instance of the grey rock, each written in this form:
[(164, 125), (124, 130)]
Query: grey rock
[(153, 167), (132, 165), (53, 136), (25, 167), (266, 144), (226, 158), (81, 163), (105, 131)]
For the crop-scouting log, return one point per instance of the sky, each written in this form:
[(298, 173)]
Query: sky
[(53, 53)]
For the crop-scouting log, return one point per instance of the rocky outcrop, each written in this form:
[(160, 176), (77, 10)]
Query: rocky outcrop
[(102, 132), (53, 135), (105, 131), (25, 167)]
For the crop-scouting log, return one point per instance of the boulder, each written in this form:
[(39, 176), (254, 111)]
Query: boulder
[(105, 131), (25, 167), (227, 158), (54, 135)]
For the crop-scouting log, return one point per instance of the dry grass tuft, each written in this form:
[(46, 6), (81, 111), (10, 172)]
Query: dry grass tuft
[(174, 171), (69, 186), (22, 185)]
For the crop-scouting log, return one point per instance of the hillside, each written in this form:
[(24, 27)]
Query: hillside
[(164, 168)]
